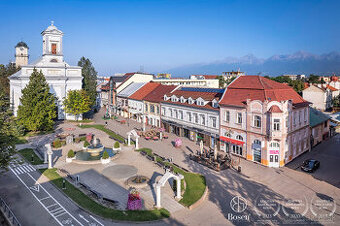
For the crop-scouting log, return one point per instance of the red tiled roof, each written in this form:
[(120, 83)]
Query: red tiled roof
[(331, 88), (334, 78), (105, 87), (306, 85), (207, 96), (157, 94), (145, 90), (258, 88), (275, 109)]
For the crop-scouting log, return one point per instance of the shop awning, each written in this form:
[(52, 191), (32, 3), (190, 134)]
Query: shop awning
[(229, 140)]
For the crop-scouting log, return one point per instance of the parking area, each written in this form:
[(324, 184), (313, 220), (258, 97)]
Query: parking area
[(328, 153)]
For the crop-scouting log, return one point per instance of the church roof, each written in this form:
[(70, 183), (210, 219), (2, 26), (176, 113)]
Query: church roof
[(21, 44), (52, 29)]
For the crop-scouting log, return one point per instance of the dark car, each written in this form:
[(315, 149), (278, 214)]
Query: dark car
[(310, 165)]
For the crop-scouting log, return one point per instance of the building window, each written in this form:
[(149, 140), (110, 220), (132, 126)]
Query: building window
[(157, 109), (176, 114), (202, 119), (189, 116), (257, 121), (238, 137), (287, 122), (54, 48), (300, 114), (294, 118), (195, 118), (274, 145), (170, 112), (227, 116), (237, 150), (276, 125), (152, 109), (163, 111), (146, 107), (305, 114), (213, 120), (239, 118), (181, 115)]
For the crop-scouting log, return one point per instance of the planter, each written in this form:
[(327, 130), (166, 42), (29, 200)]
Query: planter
[(105, 161), (116, 149), (68, 160)]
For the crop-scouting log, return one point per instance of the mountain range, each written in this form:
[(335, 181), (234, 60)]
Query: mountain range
[(300, 62)]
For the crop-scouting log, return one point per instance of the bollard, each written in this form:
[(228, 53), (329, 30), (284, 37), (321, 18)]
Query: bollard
[(32, 158), (239, 169), (64, 185)]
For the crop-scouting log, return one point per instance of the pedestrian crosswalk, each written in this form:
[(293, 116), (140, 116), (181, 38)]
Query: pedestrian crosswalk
[(21, 168)]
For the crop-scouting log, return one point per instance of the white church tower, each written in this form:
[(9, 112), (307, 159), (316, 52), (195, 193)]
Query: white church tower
[(21, 54), (60, 76)]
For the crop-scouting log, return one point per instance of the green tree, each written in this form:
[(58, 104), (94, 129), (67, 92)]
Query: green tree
[(313, 78), (7, 131), (336, 101), (5, 72), (77, 102), (221, 81), (38, 106), (297, 85), (89, 79)]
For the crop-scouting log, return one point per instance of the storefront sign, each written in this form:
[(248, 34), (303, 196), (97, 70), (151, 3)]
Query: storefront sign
[(272, 152)]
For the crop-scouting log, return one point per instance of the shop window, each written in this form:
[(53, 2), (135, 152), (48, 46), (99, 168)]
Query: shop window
[(237, 150), (238, 137)]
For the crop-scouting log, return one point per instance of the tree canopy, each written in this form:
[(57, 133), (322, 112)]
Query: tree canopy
[(89, 79), (7, 131), (38, 106), (297, 85), (77, 102), (5, 72)]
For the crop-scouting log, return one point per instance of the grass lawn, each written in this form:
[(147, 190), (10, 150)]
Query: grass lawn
[(87, 203), (81, 121), (107, 131), (195, 183), (20, 140), (27, 154), (32, 134)]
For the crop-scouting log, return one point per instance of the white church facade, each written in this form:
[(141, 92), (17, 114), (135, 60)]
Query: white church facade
[(60, 76)]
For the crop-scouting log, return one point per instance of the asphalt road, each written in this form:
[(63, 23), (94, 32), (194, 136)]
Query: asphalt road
[(40, 204)]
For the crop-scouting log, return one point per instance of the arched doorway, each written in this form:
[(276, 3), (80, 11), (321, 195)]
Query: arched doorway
[(274, 154), (256, 150)]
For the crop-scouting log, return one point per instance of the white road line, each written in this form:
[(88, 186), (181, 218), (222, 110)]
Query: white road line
[(81, 216), (55, 200), (18, 172), (96, 220), (18, 168), (55, 210), (27, 168), (32, 167), (37, 198), (60, 214), (51, 205), (44, 198)]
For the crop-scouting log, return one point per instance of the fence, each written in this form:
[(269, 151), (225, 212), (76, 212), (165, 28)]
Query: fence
[(8, 213)]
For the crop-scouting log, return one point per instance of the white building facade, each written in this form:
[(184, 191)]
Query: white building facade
[(60, 76)]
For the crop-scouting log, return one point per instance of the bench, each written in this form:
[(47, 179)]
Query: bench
[(82, 135), (160, 164), (149, 157), (143, 153), (85, 186), (97, 194), (110, 200)]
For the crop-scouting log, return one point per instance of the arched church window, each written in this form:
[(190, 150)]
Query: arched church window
[(54, 61)]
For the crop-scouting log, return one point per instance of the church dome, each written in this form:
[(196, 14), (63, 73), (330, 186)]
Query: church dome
[(21, 44)]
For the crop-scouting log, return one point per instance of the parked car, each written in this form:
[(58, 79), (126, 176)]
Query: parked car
[(310, 165)]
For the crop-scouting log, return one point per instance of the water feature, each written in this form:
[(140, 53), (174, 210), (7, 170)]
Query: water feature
[(95, 148), (84, 155)]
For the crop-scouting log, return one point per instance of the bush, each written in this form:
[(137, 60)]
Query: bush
[(77, 140), (56, 143), (63, 142), (116, 145), (70, 154), (86, 143), (105, 155)]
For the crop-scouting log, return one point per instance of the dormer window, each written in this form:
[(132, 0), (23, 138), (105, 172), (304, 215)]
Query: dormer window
[(190, 100), (165, 97), (215, 104), (174, 99), (182, 100), (200, 102)]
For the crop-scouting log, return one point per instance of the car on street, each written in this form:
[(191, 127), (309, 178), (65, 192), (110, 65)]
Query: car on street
[(310, 165)]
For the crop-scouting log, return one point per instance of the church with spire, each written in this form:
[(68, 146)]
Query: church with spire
[(60, 76)]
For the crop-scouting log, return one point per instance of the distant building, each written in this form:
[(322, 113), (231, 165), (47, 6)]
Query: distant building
[(295, 77), (204, 76), (326, 79), (232, 74), (203, 83), (21, 54), (163, 75), (320, 96)]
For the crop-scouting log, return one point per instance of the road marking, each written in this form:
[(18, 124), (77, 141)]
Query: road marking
[(57, 203), (44, 198), (20, 170), (35, 188), (51, 205), (96, 220), (81, 216), (55, 210), (60, 214)]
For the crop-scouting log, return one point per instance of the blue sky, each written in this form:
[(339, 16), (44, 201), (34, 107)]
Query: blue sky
[(119, 36)]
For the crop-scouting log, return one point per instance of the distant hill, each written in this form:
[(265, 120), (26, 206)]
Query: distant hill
[(298, 63)]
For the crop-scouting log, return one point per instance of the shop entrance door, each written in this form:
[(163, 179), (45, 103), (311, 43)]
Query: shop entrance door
[(274, 160)]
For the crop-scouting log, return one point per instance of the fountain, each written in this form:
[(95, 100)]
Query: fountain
[(95, 148), (138, 181)]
